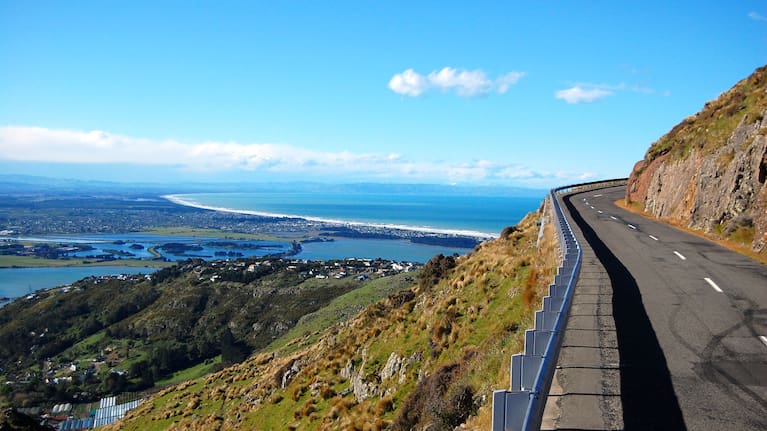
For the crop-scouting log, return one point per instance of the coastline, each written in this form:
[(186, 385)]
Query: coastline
[(179, 200)]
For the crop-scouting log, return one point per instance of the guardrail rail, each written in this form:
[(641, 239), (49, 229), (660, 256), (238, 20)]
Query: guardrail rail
[(521, 407)]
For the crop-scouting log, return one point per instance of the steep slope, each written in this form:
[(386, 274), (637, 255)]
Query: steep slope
[(708, 173), (427, 357), (195, 313)]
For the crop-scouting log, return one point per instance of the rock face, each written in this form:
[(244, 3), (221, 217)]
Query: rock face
[(360, 385), (708, 173)]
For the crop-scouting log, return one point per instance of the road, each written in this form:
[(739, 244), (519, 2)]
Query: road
[(691, 321)]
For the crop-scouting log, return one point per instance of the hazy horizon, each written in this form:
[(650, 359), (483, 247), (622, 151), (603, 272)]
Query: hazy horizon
[(178, 187)]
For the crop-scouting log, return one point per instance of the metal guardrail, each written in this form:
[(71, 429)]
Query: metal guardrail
[(521, 407)]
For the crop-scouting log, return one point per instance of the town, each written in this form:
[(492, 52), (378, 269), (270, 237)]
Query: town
[(69, 214)]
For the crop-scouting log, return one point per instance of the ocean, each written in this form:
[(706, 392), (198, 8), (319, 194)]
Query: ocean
[(481, 216)]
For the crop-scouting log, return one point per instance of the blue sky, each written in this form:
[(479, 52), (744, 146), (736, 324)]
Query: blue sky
[(513, 93)]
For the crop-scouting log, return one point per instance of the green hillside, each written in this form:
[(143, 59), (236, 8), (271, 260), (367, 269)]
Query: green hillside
[(425, 357), (109, 335), (713, 125)]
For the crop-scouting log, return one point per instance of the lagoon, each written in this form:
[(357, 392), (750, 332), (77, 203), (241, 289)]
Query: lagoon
[(137, 246), (16, 282)]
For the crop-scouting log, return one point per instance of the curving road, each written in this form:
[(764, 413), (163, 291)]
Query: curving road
[(690, 317)]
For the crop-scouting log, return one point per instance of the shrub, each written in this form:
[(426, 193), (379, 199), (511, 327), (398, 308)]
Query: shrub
[(453, 409), (384, 405), (507, 231), (435, 269), (531, 283), (327, 392), (437, 401)]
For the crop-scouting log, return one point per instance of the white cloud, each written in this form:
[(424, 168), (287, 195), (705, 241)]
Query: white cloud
[(756, 16), (503, 82), (584, 92), (467, 83), (579, 94), (464, 82), (38, 144), (408, 83)]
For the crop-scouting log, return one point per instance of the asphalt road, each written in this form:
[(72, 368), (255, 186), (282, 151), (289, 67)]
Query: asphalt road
[(691, 321)]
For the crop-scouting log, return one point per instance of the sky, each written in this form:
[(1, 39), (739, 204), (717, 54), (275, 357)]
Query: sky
[(510, 93)]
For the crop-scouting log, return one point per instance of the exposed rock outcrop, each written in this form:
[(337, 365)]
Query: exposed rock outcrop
[(708, 173), (362, 387)]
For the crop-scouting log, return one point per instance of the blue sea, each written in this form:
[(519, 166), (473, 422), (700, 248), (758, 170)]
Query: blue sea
[(482, 216)]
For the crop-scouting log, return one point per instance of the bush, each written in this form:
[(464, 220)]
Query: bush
[(452, 410), (507, 231), (435, 269), (437, 400)]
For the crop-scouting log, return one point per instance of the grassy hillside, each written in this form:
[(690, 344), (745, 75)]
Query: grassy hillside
[(430, 355), (713, 125), (108, 335)]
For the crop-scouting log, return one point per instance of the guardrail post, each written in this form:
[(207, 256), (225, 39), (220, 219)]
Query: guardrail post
[(536, 341), (521, 407), (553, 303), (509, 410), (546, 319)]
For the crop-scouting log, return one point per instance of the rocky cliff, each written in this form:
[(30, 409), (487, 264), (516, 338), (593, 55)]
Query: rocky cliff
[(708, 173)]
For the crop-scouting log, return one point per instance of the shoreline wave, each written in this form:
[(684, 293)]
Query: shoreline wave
[(179, 200)]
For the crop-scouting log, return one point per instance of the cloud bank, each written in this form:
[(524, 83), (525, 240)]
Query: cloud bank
[(211, 158), (465, 83)]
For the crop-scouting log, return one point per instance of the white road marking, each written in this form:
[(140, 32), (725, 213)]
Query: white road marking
[(597, 196), (712, 284), (679, 255), (613, 217), (764, 339), (632, 226), (653, 238)]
